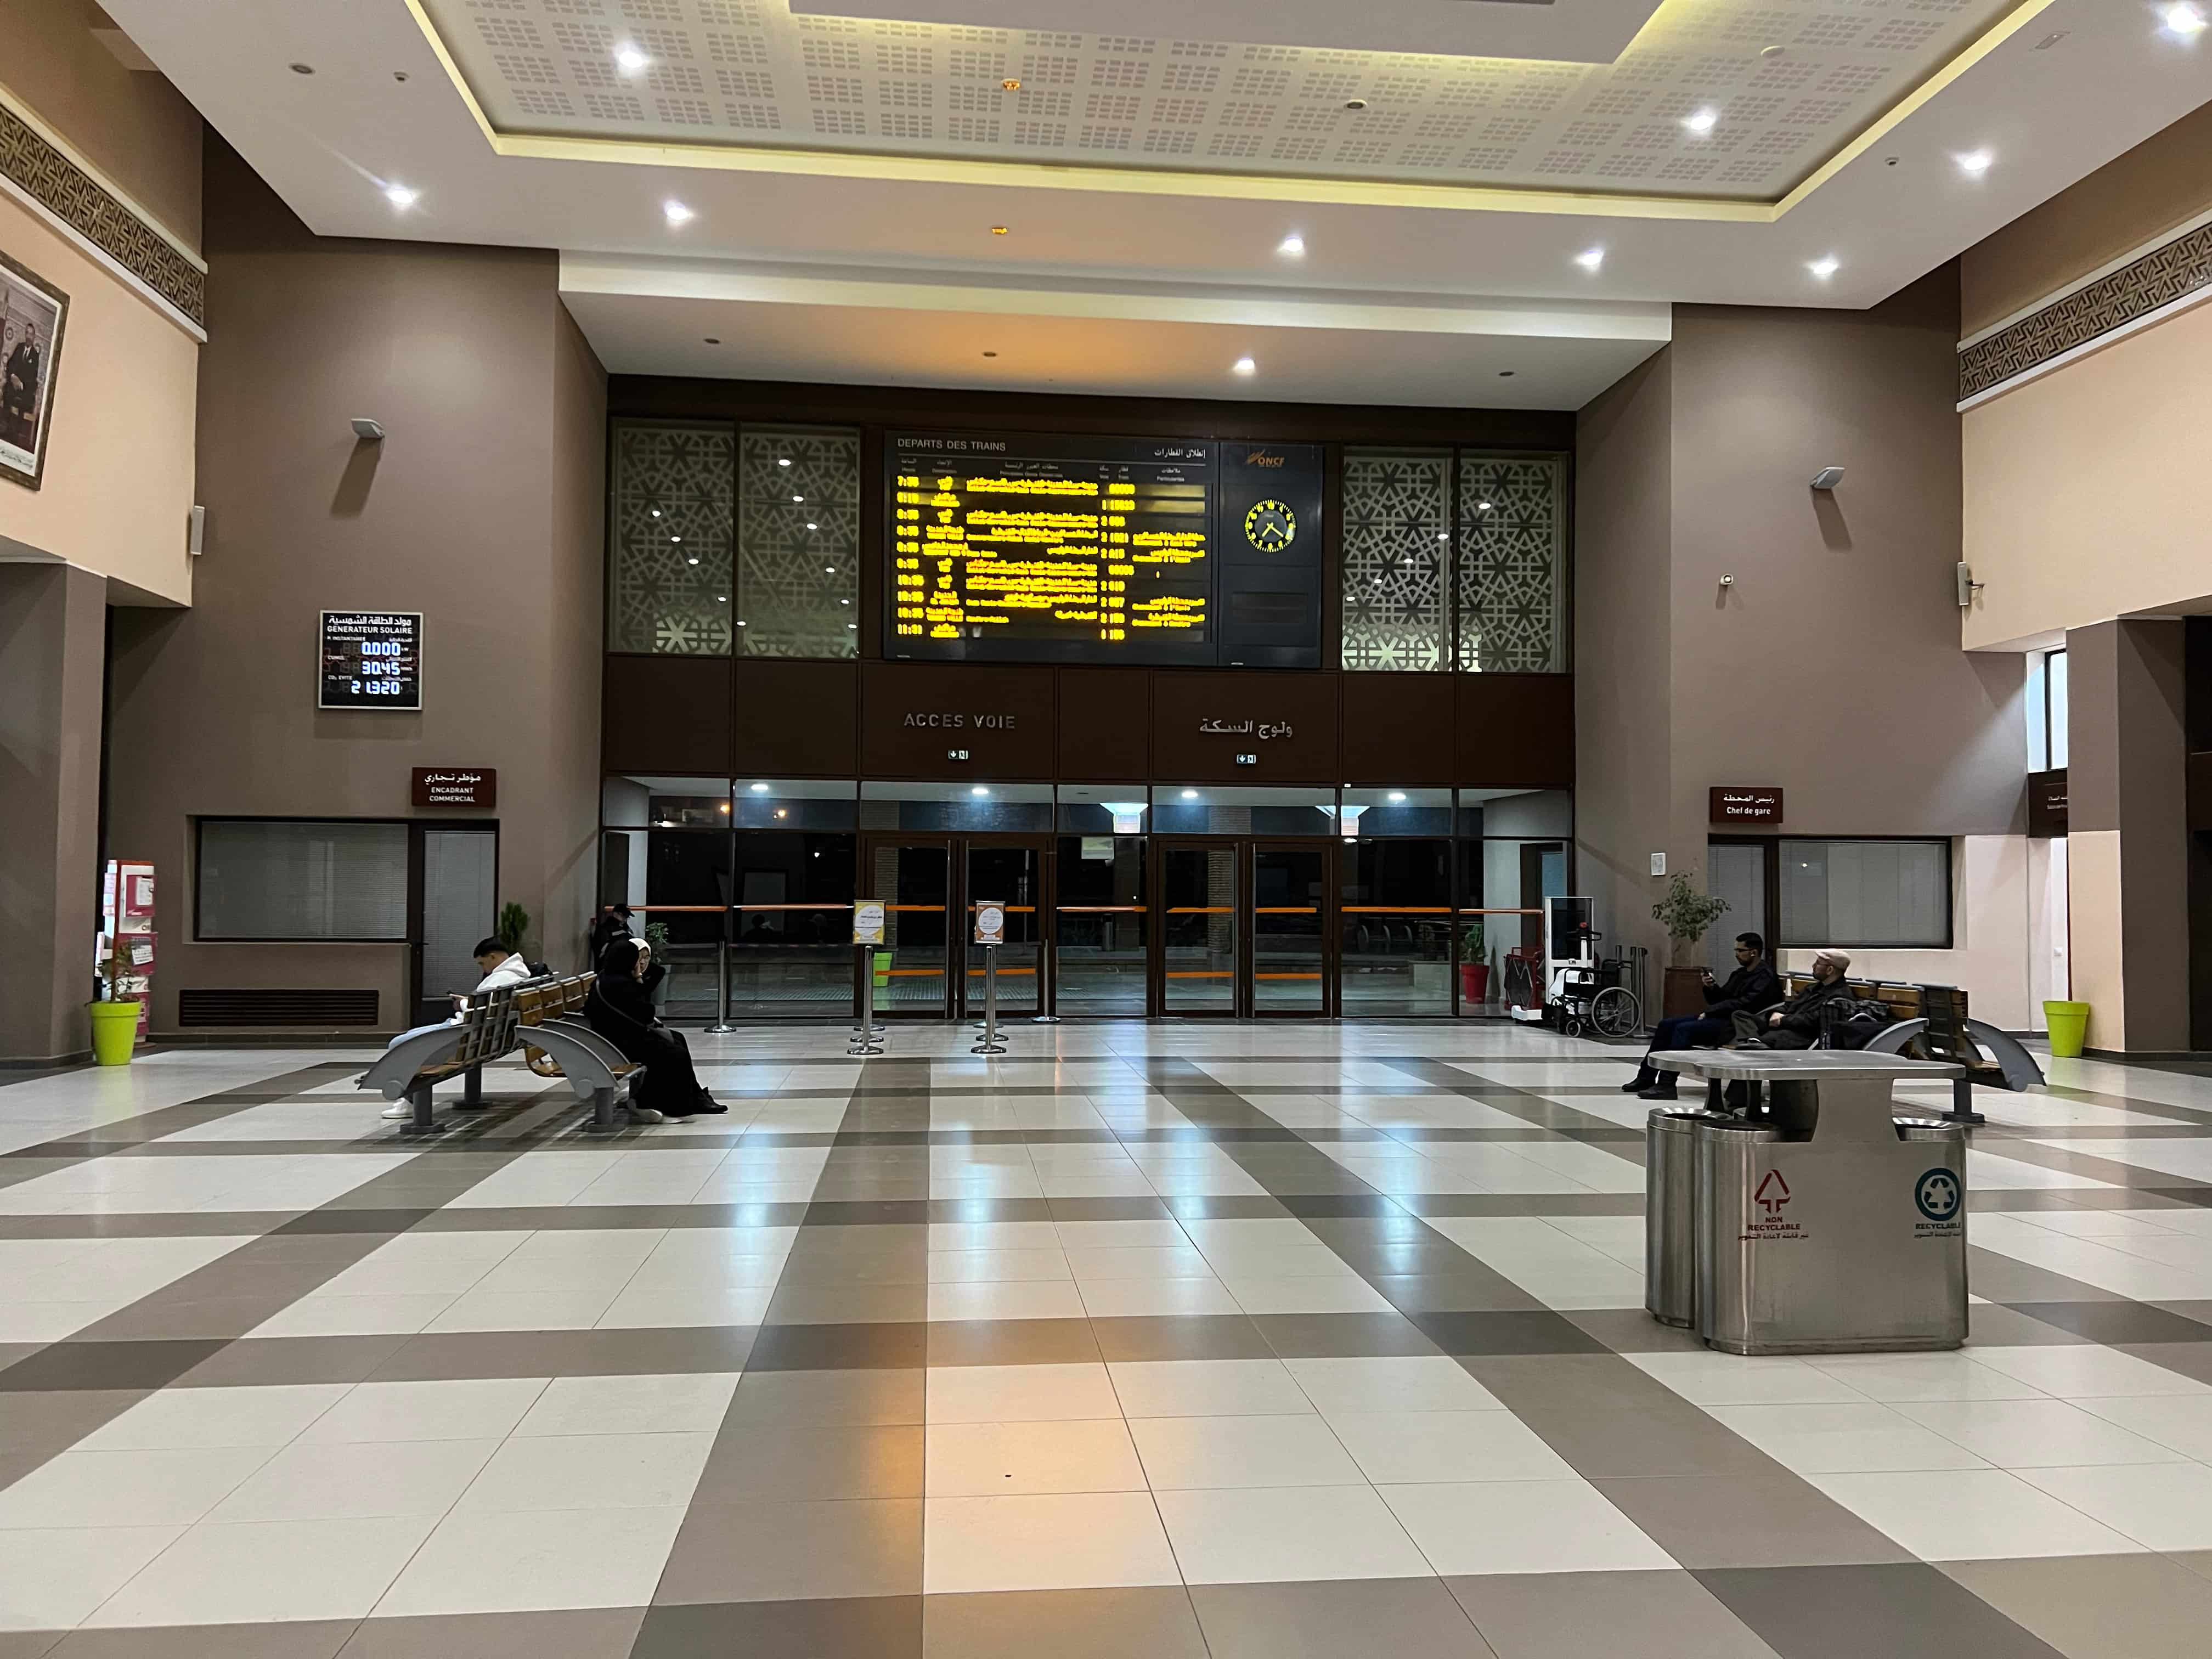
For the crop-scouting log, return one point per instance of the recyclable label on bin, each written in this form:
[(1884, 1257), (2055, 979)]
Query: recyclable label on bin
[(1937, 1197), (868, 923), (1769, 1221), (990, 924)]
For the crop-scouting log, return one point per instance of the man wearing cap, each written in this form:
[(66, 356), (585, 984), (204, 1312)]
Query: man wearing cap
[(1796, 1023)]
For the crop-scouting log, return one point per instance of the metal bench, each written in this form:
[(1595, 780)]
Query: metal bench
[(416, 1060)]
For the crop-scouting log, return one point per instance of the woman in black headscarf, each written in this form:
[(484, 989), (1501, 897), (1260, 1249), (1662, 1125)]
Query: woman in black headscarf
[(620, 1009)]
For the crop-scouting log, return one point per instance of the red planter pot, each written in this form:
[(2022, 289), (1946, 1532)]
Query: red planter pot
[(1474, 982)]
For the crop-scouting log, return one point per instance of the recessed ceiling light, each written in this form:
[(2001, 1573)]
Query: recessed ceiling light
[(1825, 268), (1770, 53), (677, 213), (1443, 535), (1975, 162), (1507, 374), (1482, 507), (1245, 366), (723, 599), (1355, 103), (1590, 258), (1011, 85), (1000, 230), (303, 68), (1397, 796), (629, 57), (2185, 19), (655, 512), (978, 789), (741, 622), (799, 498), (1190, 794), (760, 789), (827, 570), (810, 524), (400, 197), (1293, 246), (1702, 121), (692, 561), (990, 354), (783, 460), (713, 339)]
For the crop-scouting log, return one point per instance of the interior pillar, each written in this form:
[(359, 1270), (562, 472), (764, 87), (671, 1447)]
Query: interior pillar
[(53, 653), (2127, 833)]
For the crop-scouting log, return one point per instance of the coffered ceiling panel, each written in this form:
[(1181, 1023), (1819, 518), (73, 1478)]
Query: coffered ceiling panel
[(1786, 84)]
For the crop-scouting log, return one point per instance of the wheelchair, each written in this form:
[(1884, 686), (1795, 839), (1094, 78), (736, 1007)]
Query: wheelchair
[(1587, 995)]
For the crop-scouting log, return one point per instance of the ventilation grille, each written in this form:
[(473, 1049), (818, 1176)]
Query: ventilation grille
[(287, 1007)]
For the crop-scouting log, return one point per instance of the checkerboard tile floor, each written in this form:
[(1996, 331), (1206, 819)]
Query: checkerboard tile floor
[(1138, 1340)]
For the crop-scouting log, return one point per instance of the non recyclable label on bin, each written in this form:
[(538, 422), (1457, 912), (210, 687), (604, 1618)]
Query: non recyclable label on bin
[(990, 924), (868, 923), (1941, 1205), (1769, 1221)]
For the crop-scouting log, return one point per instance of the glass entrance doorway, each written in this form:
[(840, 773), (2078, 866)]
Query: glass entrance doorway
[(1010, 874), (1290, 947), (930, 889), (1202, 953)]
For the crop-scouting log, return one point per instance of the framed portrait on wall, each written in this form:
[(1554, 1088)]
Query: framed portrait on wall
[(32, 313)]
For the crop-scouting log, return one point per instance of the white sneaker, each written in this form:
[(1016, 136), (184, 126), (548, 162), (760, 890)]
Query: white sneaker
[(399, 1110), (647, 1115)]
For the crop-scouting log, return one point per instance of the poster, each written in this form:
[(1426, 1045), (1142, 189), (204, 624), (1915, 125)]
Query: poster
[(32, 313)]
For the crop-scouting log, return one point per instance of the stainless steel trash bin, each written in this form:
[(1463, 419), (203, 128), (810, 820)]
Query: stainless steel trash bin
[(1809, 1244), (1670, 1216)]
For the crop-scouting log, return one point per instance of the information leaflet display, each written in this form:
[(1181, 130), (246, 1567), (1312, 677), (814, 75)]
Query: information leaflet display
[(371, 659), (1051, 549)]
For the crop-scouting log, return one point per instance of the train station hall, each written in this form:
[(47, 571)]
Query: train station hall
[(1105, 829)]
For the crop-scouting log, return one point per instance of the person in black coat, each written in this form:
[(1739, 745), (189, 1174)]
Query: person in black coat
[(1796, 1024), (1751, 987), (613, 923), (620, 1009)]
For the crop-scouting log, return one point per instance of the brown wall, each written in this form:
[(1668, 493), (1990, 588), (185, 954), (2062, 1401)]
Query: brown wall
[(1831, 667), (132, 126), (2162, 182), (1623, 554), (481, 509), (708, 717)]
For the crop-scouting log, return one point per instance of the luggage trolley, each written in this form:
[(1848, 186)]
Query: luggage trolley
[(1582, 991)]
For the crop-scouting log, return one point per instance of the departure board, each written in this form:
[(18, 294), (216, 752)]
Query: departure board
[(1051, 549)]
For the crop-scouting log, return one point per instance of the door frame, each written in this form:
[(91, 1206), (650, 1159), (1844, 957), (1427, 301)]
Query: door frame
[(1245, 850), (421, 1011), (959, 906)]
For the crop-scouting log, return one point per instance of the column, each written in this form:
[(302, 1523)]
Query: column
[(53, 621), (2128, 841)]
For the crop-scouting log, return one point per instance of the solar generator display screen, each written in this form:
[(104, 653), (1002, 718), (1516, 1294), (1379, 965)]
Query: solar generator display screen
[(1039, 549)]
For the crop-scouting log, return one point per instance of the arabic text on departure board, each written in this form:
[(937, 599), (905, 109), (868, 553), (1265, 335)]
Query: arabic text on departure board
[(1050, 547)]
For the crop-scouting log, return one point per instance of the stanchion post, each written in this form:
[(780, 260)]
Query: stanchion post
[(867, 933), (1047, 960), (721, 1027), (990, 930)]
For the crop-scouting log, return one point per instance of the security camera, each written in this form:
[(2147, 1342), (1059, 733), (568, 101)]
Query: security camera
[(1827, 477), (368, 430)]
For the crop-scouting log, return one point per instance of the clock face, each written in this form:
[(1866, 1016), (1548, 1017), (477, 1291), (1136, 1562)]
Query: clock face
[(1270, 526)]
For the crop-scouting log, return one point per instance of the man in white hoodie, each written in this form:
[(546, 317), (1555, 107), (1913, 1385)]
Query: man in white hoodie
[(499, 966)]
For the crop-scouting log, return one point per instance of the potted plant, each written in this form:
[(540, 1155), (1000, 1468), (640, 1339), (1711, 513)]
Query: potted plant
[(1686, 914), (1473, 966), (114, 1016), (511, 928), (656, 936)]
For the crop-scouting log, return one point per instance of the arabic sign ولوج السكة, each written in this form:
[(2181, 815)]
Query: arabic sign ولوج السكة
[(1244, 729), (1736, 802), (455, 786)]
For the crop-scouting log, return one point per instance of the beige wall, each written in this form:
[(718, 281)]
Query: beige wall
[(2084, 488), (119, 480), (1831, 665), (2162, 182), (132, 125), (480, 509)]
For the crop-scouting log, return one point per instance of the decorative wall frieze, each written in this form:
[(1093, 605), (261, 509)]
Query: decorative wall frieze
[(2177, 271), (41, 172)]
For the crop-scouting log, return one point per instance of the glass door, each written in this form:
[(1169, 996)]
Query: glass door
[(1099, 926), (914, 880), (1394, 929), (1199, 934), (1290, 943), (457, 896), (1010, 874)]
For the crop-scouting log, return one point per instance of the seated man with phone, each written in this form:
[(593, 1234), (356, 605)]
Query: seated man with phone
[(1752, 986)]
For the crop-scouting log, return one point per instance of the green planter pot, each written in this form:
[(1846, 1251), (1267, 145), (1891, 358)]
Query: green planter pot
[(114, 1031), (2069, 1028)]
